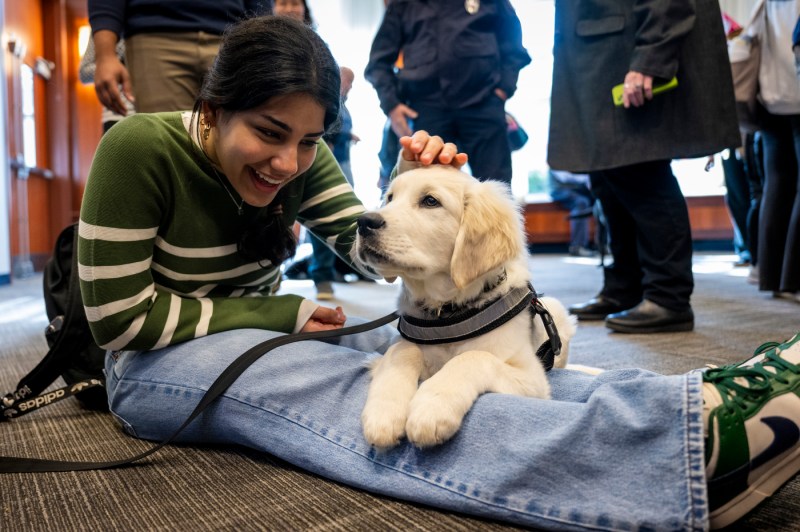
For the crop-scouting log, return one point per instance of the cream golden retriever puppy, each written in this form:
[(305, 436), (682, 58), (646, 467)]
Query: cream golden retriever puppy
[(459, 247)]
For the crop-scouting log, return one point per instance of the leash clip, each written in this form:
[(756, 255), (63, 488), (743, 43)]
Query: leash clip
[(549, 325)]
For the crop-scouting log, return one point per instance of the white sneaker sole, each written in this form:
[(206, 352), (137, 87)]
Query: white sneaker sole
[(764, 487)]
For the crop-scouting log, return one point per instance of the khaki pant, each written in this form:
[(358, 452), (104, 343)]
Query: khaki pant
[(167, 69)]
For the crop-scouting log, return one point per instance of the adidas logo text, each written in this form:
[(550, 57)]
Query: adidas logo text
[(45, 399)]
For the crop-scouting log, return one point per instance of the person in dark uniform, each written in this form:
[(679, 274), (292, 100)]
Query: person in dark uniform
[(461, 61), (627, 149)]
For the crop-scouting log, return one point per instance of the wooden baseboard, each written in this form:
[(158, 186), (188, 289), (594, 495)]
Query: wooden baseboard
[(547, 222)]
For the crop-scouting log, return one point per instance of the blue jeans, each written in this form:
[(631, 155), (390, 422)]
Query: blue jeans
[(623, 450), (321, 261), (578, 201)]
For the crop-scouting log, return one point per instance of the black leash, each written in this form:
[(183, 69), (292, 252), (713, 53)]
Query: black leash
[(11, 464)]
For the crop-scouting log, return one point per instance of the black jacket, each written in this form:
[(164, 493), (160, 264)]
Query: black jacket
[(448, 53)]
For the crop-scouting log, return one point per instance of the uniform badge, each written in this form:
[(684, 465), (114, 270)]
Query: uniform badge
[(472, 6)]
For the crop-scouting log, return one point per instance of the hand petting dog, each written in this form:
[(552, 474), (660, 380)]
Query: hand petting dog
[(426, 149)]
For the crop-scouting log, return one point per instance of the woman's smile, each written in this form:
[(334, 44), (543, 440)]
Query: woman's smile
[(264, 182)]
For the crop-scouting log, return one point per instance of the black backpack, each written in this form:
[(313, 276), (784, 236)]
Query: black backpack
[(73, 353)]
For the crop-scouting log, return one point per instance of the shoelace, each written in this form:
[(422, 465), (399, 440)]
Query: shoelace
[(758, 378)]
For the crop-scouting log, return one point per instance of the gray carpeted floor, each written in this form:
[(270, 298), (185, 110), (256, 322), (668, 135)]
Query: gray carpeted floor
[(192, 488)]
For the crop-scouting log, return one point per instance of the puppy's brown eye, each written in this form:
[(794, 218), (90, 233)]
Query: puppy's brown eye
[(387, 198), (430, 201)]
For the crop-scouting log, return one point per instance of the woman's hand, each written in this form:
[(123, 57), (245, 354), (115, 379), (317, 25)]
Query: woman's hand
[(325, 319), (427, 149)]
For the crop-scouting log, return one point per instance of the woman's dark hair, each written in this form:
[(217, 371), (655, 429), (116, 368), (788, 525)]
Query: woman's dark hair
[(259, 59)]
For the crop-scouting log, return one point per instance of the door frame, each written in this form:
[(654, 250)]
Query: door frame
[(5, 178)]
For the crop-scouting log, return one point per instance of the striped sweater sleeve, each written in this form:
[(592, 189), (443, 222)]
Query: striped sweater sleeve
[(330, 208), (157, 249)]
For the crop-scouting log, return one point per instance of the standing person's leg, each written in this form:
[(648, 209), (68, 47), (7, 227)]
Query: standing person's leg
[(388, 154), (790, 276), (780, 188), (320, 268), (207, 49), (518, 459), (164, 69), (622, 280), (347, 170), (579, 206), (738, 201), (580, 214), (652, 196), (482, 133), (755, 183)]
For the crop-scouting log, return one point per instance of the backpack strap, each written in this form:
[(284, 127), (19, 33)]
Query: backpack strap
[(12, 408), (10, 464), (69, 331)]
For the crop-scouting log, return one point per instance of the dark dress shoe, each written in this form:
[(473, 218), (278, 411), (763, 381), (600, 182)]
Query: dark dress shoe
[(597, 308), (649, 317)]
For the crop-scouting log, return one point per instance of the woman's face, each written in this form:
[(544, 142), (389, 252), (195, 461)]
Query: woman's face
[(290, 8), (262, 149)]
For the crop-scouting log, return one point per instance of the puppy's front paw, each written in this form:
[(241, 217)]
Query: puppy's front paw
[(383, 423), (433, 419)]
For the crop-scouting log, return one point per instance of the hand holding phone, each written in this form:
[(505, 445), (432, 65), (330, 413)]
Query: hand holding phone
[(617, 90)]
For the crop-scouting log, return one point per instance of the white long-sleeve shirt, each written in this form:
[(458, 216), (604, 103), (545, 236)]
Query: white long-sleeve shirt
[(779, 87)]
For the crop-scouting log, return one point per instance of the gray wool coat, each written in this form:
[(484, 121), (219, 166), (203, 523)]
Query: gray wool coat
[(597, 42)]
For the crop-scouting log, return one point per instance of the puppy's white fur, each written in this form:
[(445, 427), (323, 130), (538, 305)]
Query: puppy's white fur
[(448, 237)]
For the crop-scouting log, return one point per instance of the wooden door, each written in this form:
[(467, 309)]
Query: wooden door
[(39, 56)]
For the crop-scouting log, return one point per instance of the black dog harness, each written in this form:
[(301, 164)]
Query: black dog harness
[(463, 324)]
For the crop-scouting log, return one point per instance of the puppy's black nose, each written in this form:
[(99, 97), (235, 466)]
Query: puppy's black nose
[(369, 222)]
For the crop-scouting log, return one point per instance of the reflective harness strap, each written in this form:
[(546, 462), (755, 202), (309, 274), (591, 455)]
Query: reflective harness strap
[(473, 323)]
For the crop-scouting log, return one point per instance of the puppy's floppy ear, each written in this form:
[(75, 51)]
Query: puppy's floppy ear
[(490, 233)]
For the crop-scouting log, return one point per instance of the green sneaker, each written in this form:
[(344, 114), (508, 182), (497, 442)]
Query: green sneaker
[(752, 418)]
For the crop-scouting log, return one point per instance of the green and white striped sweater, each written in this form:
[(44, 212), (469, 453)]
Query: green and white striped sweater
[(157, 252)]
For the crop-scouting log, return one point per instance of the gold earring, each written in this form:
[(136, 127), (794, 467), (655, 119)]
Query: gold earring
[(206, 130)]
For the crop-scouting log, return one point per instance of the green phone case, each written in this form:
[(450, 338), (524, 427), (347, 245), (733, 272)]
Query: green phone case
[(616, 92)]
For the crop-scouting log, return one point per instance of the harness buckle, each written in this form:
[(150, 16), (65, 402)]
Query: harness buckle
[(549, 325)]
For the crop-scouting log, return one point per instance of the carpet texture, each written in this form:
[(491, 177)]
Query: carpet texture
[(212, 488)]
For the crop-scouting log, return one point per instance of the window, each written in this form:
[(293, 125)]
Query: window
[(28, 115)]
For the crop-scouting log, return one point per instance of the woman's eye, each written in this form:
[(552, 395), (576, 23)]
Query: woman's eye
[(267, 133), (430, 201)]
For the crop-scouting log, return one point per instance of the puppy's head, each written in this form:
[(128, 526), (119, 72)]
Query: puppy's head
[(439, 220)]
